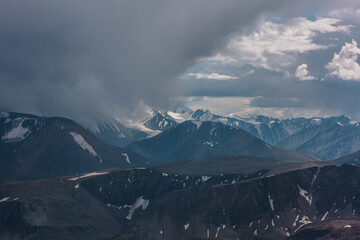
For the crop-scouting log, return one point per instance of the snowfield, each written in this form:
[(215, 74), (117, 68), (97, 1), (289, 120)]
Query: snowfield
[(17, 134), (83, 144)]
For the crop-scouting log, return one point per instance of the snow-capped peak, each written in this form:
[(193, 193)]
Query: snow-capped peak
[(180, 114), (316, 121), (181, 110), (203, 115), (347, 121), (4, 114)]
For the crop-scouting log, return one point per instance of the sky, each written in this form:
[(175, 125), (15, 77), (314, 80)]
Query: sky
[(101, 59), (284, 67)]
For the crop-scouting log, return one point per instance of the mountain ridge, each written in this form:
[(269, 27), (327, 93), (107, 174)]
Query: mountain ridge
[(34, 147), (151, 204), (290, 133), (196, 140)]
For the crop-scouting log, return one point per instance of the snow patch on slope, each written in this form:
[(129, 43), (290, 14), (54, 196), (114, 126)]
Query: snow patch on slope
[(325, 215), (141, 127), (205, 178), (17, 134), (4, 199), (186, 226), (271, 202), (83, 144), (140, 202), (210, 144), (88, 175), (126, 157), (305, 194)]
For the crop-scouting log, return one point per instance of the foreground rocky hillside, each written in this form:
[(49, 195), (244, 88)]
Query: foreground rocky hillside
[(152, 204)]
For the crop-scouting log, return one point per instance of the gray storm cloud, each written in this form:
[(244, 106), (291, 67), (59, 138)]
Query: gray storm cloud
[(99, 58)]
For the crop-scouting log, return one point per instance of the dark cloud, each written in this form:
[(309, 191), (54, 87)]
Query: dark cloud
[(94, 58), (98, 58)]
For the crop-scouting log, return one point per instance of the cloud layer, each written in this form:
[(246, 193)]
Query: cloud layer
[(276, 45), (93, 58), (215, 76), (297, 65)]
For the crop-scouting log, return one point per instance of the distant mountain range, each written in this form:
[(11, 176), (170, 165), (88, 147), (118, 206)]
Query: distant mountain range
[(27, 142), (330, 138), (353, 158), (325, 138), (33, 147), (199, 140)]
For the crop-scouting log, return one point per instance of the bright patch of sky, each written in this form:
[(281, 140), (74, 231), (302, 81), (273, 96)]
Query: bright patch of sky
[(215, 76), (241, 106)]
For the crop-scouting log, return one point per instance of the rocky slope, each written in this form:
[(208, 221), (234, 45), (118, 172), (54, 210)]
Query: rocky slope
[(33, 147), (116, 134), (347, 228), (151, 204), (159, 121), (199, 140), (353, 158), (331, 138)]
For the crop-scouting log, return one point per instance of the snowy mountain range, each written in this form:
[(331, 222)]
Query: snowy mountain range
[(205, 139), (233, 185), (175, 135), (325, 138)]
